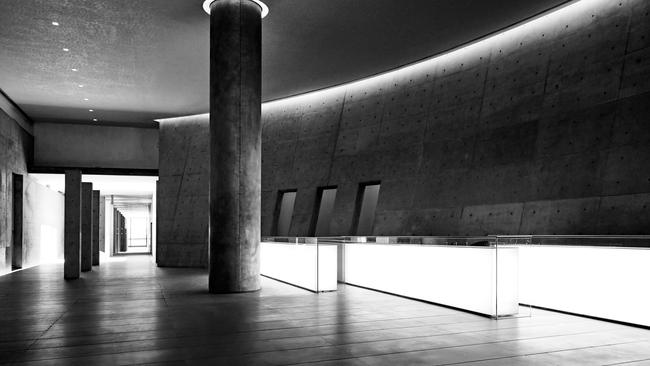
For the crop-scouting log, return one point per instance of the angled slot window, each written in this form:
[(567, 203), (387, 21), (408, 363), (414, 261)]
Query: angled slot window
[(366, 207), (284, 212), (325, 208)]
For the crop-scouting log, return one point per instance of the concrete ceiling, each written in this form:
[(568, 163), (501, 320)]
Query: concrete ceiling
[(140, 60)]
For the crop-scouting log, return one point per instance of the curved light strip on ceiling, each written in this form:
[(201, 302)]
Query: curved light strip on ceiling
[(265, 9), (546, 22)]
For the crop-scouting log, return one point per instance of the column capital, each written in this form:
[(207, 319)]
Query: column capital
[(265, 9)]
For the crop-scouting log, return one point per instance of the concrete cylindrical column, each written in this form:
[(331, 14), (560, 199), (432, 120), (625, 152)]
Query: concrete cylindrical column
[(235, 145)]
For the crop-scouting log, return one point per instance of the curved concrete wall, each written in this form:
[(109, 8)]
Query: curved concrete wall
[(542, 129)]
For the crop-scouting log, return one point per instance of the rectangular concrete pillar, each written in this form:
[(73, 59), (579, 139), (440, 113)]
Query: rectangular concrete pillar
[(123, 233), (86, 226), (72, 225), (102, 224), (116, 231), (17, 247), (95, 241), (17, 217)]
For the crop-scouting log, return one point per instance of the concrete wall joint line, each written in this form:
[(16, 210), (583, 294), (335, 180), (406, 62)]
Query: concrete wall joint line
[(546, 73), (480, 111), (627, 44), (335, 138), (188, 147), (521, 218), (485, 79)]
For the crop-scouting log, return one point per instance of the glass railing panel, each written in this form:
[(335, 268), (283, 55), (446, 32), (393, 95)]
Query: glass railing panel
[(327, 265), (510, 287), (300, 261), (290, 260), (453, 271), (499, 276), (598, 276)]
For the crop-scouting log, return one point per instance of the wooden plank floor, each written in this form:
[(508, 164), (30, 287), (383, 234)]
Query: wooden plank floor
[(130, 312)]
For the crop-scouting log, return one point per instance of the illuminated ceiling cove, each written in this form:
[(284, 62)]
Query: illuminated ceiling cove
[(124, 61)]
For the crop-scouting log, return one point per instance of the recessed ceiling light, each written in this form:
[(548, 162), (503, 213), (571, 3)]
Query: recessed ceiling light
[(81, 85), (75, 70), (86, 99), (94, 119), (265, 9), (91, 110), (55, 23), (66, 50)]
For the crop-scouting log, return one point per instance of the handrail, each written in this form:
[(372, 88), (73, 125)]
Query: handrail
[(622, 241)]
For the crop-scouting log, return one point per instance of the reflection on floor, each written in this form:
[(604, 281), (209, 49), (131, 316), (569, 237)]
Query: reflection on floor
[(130, 312)]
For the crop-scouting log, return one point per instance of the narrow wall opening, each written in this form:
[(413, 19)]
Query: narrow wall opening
[(323, 211), (366, 207), (284, 212)]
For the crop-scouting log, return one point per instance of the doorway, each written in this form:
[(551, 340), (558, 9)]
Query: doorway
[(121, 197), (133, 224)]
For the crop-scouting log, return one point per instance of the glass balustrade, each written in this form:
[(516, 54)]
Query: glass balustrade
[(495, 275)]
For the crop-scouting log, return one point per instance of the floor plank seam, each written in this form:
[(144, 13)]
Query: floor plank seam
[(463, 362), (540, 353), (628, 362), (352, 343)]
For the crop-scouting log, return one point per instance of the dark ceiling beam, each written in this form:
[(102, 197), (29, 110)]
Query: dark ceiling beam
[(152, 125), (16, 113), (94, 170)]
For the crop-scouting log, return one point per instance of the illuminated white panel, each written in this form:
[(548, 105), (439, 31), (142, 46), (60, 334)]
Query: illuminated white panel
[(301, 265), (458, 276), (610, 283), (327, 271)]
